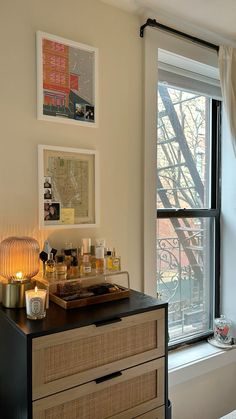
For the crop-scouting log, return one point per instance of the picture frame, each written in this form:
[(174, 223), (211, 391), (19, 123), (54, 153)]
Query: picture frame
[(67, 81), (70, 198)]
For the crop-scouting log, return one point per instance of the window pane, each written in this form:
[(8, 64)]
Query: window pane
[(183, 149), (185, 274)]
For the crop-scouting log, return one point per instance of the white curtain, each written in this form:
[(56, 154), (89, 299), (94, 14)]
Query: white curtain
[(227, 67)]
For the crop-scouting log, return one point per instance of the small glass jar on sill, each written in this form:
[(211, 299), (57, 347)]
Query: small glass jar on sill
[(222, 328)]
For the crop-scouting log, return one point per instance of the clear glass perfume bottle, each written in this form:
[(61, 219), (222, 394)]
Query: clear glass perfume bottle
[(116, 265), (74, 268), (61, 268), (50, 267), (93, 258), (85, 267), (108, 260), (100, 261)]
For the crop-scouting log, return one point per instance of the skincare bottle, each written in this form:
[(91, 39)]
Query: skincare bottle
[(100, 261), (50, 267), (61, 268), (85, 268), (100, 242), (116, 265)]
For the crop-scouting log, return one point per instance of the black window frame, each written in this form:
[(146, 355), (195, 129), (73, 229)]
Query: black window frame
[(213, 212)]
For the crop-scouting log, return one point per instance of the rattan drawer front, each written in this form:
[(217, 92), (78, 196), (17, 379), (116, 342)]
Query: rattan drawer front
[(136, 391), (67, 359), (154, 414)]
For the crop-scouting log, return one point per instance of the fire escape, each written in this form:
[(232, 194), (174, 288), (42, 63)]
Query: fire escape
[(179, 184)]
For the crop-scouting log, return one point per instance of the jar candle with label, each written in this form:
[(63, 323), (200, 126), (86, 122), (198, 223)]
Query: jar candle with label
[(36, 304)]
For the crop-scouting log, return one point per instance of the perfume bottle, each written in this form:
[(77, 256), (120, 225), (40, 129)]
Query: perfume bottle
[(116, 265), (74, 268), (86, 245), (85, 268), (50, 267), (100, 261), (61, 268), (108, 260), (93, 258)]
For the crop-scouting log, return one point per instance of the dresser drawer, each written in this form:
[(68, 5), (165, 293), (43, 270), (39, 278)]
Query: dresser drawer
[(158, 413), (128, 394), (66, 359)]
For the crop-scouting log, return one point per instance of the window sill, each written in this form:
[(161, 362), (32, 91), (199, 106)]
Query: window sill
[(191, 362)]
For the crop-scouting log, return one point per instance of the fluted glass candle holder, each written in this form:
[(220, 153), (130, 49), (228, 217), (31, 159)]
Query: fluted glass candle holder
[(19, 262)]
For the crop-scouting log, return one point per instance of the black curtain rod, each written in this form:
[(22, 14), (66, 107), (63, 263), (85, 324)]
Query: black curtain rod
[(153, 23)]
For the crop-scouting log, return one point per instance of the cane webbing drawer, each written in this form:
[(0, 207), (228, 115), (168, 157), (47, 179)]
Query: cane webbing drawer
[(153, 414), (67, 359), (135, 391)]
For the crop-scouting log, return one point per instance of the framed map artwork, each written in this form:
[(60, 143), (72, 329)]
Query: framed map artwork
[(68, 187), (66, 81)]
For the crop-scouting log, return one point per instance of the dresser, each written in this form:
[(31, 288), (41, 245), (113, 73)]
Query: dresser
[(98, 362)]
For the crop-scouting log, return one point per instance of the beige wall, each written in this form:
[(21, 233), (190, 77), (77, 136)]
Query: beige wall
[(118, 138)]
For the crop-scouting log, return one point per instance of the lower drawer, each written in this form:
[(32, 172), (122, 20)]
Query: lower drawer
[(126, 394), (154, 414)]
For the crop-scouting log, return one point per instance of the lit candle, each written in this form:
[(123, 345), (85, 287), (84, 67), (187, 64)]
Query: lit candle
[(18, 277), (36, 303)]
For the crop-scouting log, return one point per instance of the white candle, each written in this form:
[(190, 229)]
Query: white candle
[(35, 303)]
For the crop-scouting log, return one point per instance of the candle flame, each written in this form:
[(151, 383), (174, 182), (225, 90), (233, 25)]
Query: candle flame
[(19, 275), (36, 289)]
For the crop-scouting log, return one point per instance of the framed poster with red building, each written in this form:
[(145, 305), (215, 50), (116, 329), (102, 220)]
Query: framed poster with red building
[(67, 81)]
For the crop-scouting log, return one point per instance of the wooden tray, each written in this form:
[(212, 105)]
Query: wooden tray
[(96, 299)]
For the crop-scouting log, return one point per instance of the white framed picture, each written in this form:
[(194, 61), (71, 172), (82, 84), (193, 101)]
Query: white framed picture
[(67, 81), (68, 187)]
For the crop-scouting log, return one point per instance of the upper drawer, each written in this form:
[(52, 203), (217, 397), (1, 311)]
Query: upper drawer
[(66, 359)]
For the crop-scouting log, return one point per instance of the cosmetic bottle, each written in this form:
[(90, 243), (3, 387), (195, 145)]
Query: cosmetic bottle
[(80, 257), (108, 260), (86, 244), (74, 268), (100, 261), (85, 268), (61, 268), (116, 265), (68, 259), (100, 242), (50, 267), (93, 258)]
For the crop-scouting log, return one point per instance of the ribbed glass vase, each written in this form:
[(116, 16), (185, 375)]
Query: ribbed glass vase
[(19, 257)]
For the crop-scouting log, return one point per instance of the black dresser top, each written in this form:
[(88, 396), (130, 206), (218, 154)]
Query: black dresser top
[(59, 319)]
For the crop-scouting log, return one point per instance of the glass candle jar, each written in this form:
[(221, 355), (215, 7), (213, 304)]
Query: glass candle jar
[(36, 304), (222, 330)]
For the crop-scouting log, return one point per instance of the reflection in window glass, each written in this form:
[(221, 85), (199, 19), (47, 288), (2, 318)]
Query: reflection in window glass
[(183, 149)]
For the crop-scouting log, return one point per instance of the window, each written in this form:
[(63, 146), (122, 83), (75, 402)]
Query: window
[(188, 205)]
